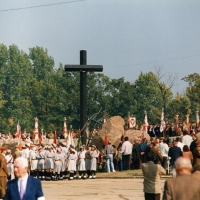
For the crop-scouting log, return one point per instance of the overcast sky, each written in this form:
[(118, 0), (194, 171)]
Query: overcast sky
[(127, 37)]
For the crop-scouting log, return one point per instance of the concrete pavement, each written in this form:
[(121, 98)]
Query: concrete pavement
[(94, 189)]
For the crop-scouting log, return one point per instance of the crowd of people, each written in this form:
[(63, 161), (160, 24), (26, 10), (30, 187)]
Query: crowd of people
[(179, 155), (61, 160), (56, 161)]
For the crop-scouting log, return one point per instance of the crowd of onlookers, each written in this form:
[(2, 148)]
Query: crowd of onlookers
[(131, 156)]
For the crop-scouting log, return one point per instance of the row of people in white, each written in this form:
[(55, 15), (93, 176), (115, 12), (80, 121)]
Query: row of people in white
[(53, 162)]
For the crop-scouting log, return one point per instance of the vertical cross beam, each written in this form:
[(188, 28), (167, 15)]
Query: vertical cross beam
[(83, 68), (83, 99)]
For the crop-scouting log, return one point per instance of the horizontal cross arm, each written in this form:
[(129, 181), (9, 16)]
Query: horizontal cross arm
[(88, 68)]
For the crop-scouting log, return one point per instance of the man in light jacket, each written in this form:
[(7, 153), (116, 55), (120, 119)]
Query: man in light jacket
[(152, 182), (184, 186), (127, 151)]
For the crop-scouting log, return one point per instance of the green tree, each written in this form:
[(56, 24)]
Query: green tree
[(148, 98), (179, 105), (192, 92)]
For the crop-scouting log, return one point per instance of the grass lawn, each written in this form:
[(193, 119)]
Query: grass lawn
[(121, 174), (124, 174)]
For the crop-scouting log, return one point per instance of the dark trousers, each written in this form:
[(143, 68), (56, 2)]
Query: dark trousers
[(151, 196), (164, 162), (142, 159), (120, 165), (126, 161)]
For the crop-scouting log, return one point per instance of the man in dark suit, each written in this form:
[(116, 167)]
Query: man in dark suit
[(24, 187), (183, 187), (157, 131), (174, 152)]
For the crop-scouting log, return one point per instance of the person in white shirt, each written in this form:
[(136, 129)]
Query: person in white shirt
[(164, 148), (26, 187), (127, 151), (180, 144), (187, 139)]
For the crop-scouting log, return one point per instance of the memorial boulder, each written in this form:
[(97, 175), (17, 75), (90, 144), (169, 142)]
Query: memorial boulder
[(113, 128)]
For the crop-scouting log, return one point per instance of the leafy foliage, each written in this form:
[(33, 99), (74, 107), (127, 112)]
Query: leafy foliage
[(32, 87)]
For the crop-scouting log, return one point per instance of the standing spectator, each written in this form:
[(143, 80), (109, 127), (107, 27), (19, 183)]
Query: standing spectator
[(172, 130), (179, 143), (157, 131), (103, 159), (187, 153), (143, 149), (150, 131), (193, 144), (59, 135), (168, 131), (155, 151), (127, 151), (136, 155), (109, 162), (115, 157), (164, 148), (179, 187), (187, 139), (174, 153), (120, 163), (152, 183)]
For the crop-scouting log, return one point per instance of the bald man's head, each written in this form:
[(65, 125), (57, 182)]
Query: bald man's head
[(183, 165)]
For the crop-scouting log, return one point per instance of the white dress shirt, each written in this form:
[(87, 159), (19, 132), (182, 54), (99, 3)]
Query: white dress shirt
[(127, 148), (187, 140), (24, 182), (164, 148)]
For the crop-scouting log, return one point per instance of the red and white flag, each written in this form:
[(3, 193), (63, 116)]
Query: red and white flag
[(197, 118), (145, 125), (177, 124), (70, 140), (187, 122), (162, 123), (55, 138), (106, 139), (104, 119), (36, 130), (17, 134), (65, 132)]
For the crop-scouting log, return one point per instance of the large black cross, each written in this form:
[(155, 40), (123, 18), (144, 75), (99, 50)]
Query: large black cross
[(83, 68)]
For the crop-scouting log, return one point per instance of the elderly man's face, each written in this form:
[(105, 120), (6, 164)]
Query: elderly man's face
[(20, 170)]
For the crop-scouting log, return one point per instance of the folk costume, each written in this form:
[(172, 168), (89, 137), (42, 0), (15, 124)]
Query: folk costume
[(58, 157), (49, 164), (81, 163), (40, 165), (9, 162), (93, 155), (71, 163), (33, 162)]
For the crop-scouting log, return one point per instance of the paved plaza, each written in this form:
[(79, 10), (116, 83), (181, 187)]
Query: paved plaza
[(95, 189)]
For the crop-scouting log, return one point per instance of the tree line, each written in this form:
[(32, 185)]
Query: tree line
[(31, 86)]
